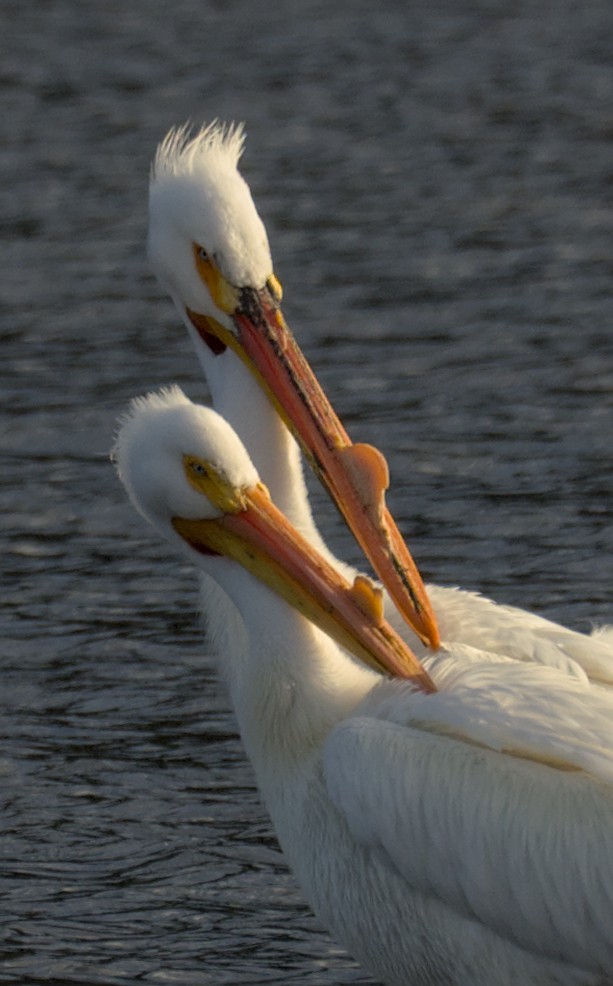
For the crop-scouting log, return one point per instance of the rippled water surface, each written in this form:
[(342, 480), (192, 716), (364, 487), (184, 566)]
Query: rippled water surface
[(437, 183)]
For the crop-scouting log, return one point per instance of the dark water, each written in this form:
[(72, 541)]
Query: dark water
[(438, 187)]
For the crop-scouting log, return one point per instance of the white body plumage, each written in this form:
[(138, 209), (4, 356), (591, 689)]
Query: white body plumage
[(433, 858)]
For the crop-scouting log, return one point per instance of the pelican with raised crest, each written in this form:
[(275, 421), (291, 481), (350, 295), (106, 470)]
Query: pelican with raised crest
[(209, 249)]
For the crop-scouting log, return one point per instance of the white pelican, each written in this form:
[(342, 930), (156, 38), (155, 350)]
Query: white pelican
[(209, 249), (432, 859)]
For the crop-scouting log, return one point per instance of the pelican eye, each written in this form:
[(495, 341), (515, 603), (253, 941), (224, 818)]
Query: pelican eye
[(205, 478), (199, 473), (222, 293)]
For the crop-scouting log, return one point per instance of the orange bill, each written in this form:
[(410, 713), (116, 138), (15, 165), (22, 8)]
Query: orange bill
[(355, 475), (261, 539)]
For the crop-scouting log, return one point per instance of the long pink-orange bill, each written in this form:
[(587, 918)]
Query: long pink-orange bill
[(355, 475), (261, 539)]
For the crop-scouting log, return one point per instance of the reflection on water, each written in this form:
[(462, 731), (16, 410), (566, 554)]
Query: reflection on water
[(438, 189)]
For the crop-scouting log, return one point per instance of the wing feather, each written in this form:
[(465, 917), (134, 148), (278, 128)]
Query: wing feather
[(524, 848), (467, 617)]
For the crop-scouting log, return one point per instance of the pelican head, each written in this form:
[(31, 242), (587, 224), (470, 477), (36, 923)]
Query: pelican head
[(206, 239), (176, 458), (209, 248), (187, 472)]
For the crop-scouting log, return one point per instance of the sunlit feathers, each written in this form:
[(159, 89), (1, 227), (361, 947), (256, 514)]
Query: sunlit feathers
[(197, 196), (434, 860), (154, 435)]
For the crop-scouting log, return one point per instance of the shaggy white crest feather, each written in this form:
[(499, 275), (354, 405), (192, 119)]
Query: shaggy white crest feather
[(197, 196), (181, 150)]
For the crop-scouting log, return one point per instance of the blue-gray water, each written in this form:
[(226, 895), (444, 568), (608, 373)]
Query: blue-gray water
[(438, 187)]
